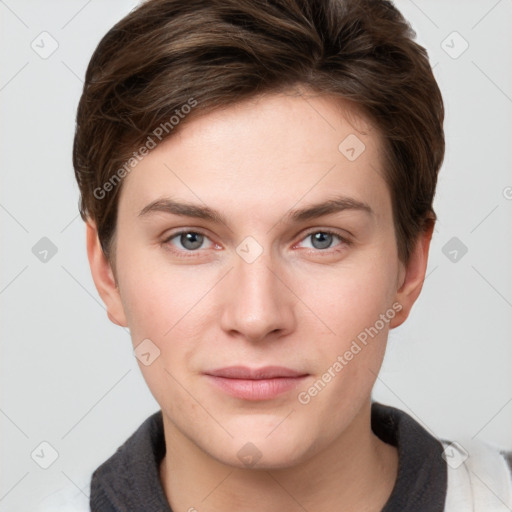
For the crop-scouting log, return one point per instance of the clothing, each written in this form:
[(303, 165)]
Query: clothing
[(129, 479)]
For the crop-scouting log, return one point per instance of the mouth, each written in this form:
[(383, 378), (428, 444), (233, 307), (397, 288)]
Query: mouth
[(263, 383)]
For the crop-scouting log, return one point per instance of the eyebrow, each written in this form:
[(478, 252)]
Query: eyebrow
[(329, 207)]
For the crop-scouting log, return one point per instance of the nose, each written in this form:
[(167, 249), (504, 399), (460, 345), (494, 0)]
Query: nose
[(258, 302)]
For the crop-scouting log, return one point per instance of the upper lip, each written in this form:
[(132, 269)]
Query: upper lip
[(266, 372)]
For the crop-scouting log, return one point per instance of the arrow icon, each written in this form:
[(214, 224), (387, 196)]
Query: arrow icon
[(44, 250), (351, 147), (454, 455), (454, 249), (454, 45), (249, 454), (45, 45), (249, 253), (146, 352), (44, 455)]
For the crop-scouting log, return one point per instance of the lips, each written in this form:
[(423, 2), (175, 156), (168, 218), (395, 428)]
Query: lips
[(255, 383), (267, 372)]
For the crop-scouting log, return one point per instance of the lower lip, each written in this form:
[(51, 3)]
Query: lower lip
[(256, 389)]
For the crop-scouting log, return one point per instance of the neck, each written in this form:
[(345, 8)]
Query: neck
[(355, 472)]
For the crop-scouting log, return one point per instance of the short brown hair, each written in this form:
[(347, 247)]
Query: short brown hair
[(166, 53)]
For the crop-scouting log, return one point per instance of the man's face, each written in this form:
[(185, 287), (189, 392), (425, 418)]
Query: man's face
[(260, 288)]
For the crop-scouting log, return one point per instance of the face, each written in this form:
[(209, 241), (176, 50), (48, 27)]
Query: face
[(265, 315)]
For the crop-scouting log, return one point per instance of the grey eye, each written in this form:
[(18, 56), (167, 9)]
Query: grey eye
[(321, 240), (191, 240)]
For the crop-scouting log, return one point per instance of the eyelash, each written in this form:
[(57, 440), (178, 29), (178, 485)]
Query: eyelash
[(344, 242)]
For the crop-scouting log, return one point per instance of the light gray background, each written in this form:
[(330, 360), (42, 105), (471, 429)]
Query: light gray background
[(68, 376)]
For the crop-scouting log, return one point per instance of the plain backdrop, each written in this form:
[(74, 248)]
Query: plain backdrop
[(68, 375)]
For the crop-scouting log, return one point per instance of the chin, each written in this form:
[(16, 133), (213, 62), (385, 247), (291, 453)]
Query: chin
[(256, 451)]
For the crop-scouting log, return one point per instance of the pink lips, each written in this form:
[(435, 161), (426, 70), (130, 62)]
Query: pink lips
[(255, 383)]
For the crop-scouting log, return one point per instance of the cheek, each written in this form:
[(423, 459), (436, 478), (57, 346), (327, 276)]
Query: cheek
[(162, 307), (358, 308), (156, 298), (357, 304), (169, 306), (350, 298)]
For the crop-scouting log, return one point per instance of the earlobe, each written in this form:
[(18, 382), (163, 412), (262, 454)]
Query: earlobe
[(412, 276), (103, 277)]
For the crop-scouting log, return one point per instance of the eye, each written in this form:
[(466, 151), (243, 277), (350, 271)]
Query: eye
[(323, 239), (189, 240)]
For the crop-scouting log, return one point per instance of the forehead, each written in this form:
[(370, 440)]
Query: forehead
[(272, 124), (270, 151)]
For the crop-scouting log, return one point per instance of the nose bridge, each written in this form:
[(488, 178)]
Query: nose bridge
[(257, 301), (256, 281)]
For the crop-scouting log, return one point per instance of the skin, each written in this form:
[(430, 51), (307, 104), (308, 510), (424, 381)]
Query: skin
[(296, 305)]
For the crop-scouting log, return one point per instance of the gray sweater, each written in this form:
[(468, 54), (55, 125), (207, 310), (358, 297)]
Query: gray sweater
[(129, 479)]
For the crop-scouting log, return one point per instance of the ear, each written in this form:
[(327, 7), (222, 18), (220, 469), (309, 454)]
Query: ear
[(103, 277), (412, 276)]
